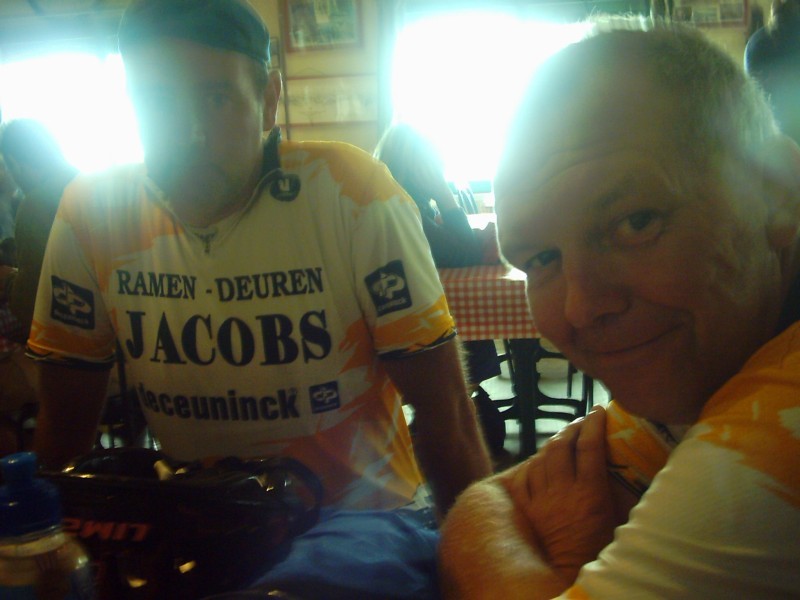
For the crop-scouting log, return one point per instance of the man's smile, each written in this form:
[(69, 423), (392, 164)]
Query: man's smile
[(623, 352)]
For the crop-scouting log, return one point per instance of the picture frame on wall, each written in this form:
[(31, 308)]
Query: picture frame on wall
[(711, 13), (334, 99), (321, 24)]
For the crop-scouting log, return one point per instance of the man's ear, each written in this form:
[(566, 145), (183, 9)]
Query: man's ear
[(272, 95), (781, 172)]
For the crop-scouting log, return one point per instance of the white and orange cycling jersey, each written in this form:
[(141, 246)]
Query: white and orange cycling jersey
[(262, 334), (721, 517)]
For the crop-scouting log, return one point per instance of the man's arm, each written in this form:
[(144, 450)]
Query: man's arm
[(565, 495), (448, 441), (488, 549), (32, 230), (70, 404), (528, 531)]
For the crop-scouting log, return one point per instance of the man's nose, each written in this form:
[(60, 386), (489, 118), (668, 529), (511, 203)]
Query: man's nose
[(190, 125), (593, 290), (197, 135)]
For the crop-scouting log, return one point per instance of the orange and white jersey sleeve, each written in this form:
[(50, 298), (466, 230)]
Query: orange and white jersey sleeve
[(262, 334), (637, 449), (388, 254), (71, 324), (722, 518)]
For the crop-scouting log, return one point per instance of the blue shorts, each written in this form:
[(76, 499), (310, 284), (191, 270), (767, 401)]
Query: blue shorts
[(367, 555)]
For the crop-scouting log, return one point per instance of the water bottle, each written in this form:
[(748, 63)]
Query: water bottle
[(38, 561)]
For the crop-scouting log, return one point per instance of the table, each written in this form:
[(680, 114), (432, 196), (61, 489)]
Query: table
[(488, 303), (481, 220)]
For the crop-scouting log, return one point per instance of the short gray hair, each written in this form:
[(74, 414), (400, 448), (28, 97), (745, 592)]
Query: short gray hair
[(719, 108)]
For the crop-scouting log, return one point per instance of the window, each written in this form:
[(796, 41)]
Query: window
[(81, 98), (459, 76)]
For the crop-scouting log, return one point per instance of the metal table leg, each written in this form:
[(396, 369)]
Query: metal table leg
[(526, 353), (526, 380)]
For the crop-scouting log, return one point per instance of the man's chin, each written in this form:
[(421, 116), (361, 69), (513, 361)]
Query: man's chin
[(200, 184), (671, 402)]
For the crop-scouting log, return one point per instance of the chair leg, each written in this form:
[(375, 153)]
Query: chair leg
[(588, 393), (508, 358), (571, 370)]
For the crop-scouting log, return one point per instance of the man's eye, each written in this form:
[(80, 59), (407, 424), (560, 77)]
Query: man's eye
[(638, 228), (216, 100), (541, 260)]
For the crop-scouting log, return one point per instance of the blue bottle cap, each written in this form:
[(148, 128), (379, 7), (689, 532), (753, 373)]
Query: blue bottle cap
[(27, 504)]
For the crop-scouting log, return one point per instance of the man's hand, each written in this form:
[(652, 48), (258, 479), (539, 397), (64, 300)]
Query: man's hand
[(488, 550), (564, 493)]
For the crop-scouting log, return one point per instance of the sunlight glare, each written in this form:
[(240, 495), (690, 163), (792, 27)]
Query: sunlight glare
[(458, 78), (81, 98)]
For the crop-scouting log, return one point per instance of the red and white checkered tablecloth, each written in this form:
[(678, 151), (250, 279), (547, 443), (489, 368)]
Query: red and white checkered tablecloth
[(488, 302)]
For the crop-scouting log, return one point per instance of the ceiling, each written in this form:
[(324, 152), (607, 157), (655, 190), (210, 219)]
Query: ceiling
[(28, 26), (26, 8)]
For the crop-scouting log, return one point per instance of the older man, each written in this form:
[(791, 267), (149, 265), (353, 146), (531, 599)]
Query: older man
[(270, 298), (654, 206)]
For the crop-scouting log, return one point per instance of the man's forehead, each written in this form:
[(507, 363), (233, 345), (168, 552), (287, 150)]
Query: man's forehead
[(608, 111), (180, 60)]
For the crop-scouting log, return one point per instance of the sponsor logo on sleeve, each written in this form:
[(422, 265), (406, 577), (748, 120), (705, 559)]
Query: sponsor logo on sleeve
[(388, 288), (324, 397), (72, 304)]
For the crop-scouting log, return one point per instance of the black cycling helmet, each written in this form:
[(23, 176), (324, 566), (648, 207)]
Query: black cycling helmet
[(200, 532)]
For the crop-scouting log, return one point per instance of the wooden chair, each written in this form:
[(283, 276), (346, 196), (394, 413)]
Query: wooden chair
[(527, 355), (579, 407), (466, 199), (566, 408)]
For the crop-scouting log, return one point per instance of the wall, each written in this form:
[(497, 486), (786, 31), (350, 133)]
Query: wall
[(74, 24), (306, 71), (733, 39), (327, 72), (329, 94)]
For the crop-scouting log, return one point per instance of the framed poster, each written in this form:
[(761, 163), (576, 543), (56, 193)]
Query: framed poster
[(337, 99), (321, 24), (711, 12)]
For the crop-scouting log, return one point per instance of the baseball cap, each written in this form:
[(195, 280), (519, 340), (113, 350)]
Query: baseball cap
[(225, 24)]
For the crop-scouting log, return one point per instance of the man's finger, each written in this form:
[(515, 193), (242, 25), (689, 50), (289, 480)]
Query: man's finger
[(537, 476), (590, 447), (559, 454)]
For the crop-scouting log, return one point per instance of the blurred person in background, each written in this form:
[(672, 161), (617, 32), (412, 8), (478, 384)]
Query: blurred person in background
[(772, 57), (38, 166), (415, 164), (10, 197)]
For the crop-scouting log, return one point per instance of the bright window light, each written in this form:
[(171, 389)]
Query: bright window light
[(81, 99), (458, 78)]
